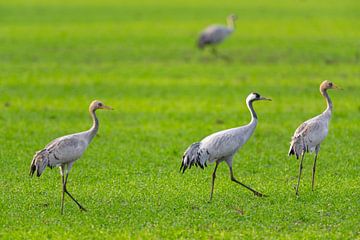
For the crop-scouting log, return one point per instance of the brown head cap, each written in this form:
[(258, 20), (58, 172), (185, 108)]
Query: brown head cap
[(96, 104), (325, 85)]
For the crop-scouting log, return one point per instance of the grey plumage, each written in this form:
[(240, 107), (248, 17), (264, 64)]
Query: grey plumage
[(64, 151), (215, 34), (194, 155), (310, 134), (222, 146), (60, 151), (40, 162)]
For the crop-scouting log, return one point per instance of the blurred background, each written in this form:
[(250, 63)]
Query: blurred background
[(140, 57)]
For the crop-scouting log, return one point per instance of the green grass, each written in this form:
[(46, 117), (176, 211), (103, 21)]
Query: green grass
[(140, 58)]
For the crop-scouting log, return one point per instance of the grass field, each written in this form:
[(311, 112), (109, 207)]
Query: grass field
[(140, 58)]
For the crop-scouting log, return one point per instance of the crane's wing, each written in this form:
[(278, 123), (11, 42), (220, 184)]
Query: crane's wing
[(309, 133), (53, 142), (68, 148), (222, 144), (194, 155), (60, 150), (213, 34), (214, 147)]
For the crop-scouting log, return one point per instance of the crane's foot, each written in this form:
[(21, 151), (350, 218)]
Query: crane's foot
[(82, 208), (296, 191), (260, 194)]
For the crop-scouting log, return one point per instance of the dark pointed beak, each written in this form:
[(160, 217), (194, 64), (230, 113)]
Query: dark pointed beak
[(107, 107), (264, 98), (336, 87)]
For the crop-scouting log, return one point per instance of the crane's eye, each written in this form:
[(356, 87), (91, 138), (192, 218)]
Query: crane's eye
[(100, 104), (330, 84)]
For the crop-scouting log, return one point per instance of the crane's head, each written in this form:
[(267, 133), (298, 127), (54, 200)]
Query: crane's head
[(325, 85), (96, 104), (256, 97), (232, 17)]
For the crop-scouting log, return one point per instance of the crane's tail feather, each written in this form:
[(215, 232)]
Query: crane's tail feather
[(297, 146), (202, 41), (39, 162), (194, 155)]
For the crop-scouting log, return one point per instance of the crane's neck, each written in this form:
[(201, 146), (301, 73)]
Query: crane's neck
[(328, 101), (94, 128), (254, 118), (231, 23), (245, 132)]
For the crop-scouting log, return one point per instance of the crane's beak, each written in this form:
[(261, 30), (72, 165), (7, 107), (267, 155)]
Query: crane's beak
[(107, 107), (264, 98), (336, 87)]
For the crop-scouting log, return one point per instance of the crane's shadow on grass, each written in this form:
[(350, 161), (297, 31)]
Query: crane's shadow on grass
[(208, 58), (217, 57)]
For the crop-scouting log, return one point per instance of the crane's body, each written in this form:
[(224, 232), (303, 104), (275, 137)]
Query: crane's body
[(61, 151), (215, 34), (64, 151), (222, 146), (310, 134)]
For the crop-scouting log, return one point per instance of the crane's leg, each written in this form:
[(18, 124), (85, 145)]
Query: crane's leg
[(314, 166), (213, 180), (66, 191), (214, 51), (300, 171), (62, 172), (256, 193)]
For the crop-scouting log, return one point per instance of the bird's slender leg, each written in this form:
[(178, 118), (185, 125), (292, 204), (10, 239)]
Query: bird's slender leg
[(62, 171), (314, 167), (214, 51), (249, 188), (66, 191), (213, 180), (300, 171)]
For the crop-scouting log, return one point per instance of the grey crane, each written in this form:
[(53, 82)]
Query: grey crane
[(64, 151), (310, 134), (215, 34), (222, 146)]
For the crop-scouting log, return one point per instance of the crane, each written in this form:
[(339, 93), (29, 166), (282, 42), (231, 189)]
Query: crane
[(215, 34), (310, 134), (64, 151), (222, 146)]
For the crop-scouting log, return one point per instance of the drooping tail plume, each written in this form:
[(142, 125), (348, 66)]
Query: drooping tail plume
[(194, 156), (297, 146), (202, 41), (39, 162)]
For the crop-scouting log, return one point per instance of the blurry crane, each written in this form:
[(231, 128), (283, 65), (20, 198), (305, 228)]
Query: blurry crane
[(309, 135), (215, 34), (222, 146), (64, 151)]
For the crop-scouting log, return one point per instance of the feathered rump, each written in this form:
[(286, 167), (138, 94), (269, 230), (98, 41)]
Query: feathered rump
[(297, 146), (202, 41), (194, 155), (39, 162)]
